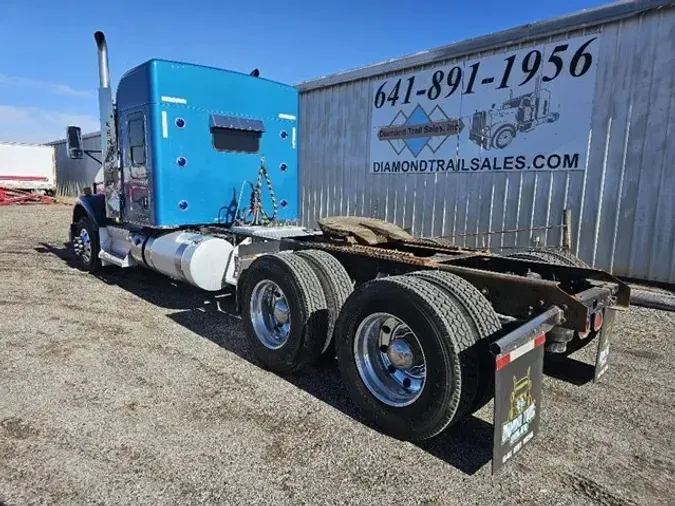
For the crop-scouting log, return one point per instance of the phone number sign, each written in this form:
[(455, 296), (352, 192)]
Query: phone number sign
[(525, 110)]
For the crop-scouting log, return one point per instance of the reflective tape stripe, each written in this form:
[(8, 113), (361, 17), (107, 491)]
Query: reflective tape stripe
[(507, 358), (173, 100), (165, 125)]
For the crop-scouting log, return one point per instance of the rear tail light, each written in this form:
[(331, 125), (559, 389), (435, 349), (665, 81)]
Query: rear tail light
[(597, 321), (584, 334)]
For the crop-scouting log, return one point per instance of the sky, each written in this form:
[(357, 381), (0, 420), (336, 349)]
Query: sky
[(48, 59)]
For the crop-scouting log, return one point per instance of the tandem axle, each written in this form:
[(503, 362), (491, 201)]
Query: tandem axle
[(424, 334)]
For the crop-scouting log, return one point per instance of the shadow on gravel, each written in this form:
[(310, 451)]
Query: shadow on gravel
[(146, 284), (569, 370), (467, 446), (60, 252)]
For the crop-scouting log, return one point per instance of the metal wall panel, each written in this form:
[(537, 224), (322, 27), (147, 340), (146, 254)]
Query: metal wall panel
[(72, 176), (623, 204)]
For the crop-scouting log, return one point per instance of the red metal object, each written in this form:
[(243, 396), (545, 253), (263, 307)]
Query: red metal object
[(9, 196), (585, 333), (597, 321), (23, 178)]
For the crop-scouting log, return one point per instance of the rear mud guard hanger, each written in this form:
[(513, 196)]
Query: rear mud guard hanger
[(519, 372)]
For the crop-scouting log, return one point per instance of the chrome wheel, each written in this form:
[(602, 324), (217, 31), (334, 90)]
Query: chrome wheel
[(82, 246), (270, 315), (390, 359)]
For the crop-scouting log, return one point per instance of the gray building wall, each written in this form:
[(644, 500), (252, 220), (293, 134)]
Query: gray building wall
[(73, 175), (622, 204)]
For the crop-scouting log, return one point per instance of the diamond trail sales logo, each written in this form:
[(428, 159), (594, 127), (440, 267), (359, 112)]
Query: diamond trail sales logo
[(420, 130)]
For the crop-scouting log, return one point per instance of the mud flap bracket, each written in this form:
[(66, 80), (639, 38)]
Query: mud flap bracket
[(604, 337), (519, 364)]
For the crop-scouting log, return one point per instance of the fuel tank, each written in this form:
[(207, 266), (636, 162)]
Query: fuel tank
[(197, 259)]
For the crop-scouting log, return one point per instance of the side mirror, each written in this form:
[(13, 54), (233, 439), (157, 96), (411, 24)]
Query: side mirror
[(74, 143)]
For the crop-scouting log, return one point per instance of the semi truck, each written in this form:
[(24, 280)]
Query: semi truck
[(200, 183), (498, 127)]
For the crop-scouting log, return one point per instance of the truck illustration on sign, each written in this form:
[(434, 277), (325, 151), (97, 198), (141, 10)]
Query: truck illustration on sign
[(522, 410), (498, 127)]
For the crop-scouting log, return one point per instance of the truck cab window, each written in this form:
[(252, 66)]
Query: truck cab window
[(235, 134), (137, 141), (241, 141)]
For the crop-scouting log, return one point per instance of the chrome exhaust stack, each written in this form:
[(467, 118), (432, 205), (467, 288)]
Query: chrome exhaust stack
[(111, 176), (103, 70)]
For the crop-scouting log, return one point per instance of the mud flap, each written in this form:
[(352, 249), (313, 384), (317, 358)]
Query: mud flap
[(519, 364), (604, 338)]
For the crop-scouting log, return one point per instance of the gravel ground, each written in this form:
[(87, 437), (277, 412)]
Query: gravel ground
[(128, 389)]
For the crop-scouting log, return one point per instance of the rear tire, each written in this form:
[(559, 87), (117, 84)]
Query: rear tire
[(442, 333), (558, 339), (568, 257), (283, 311), (538, 256), (551, 256), (336, 284), (484, 320)]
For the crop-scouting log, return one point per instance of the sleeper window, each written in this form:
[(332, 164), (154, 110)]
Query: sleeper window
[(137, 141), (235, 134), (242, 141)]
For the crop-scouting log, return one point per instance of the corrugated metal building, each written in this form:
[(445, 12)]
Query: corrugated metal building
[(73, 175), (608, 132), (620, 187)]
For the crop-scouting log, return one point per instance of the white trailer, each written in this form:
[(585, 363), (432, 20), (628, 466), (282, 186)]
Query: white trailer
[(27, 167)]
